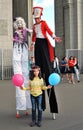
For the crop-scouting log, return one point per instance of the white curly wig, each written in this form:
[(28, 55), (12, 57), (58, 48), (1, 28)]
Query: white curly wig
[(16, 21)]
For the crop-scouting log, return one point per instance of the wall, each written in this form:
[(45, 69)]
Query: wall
[(5, 23)]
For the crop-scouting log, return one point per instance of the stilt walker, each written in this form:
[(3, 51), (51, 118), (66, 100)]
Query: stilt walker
[(44, 54), (20, 63)]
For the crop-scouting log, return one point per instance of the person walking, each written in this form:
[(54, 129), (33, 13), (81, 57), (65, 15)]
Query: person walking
[(71, 64), (56, 67), (64, 68), (76, 68)]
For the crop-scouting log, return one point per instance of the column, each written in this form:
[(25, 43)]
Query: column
[(6, 24), (80, 23)]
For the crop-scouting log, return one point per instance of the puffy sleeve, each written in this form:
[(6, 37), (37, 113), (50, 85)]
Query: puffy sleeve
[(29, 30), (48, 30), (15, 37), (43, 85), (33, 34)]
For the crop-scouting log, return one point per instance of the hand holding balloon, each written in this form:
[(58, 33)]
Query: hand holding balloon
[(21, 87), (54, 79), (49, 86)]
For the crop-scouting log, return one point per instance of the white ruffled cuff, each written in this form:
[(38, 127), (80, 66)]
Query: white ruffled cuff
[(53, 36)]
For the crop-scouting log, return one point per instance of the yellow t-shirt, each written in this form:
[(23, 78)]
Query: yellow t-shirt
[(36, 86)]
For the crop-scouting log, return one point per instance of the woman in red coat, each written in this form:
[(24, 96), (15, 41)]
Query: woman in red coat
[(71, 64), (44, 54)]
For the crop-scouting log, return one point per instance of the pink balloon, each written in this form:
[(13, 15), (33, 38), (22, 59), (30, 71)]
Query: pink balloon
[(18, 80)]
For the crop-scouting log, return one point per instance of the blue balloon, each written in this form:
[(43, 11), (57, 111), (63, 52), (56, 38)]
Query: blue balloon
[(54, 79)]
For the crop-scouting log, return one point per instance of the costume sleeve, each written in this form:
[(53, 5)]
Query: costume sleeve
[(29, 30), (49, 30), (15, 37), (34, 34)]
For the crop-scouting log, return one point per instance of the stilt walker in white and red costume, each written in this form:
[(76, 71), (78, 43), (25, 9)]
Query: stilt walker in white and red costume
[(20, 63), (44, 54)]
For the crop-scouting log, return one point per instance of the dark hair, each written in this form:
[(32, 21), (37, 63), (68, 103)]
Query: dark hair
[(70, 57), (32, 72), (64, 58)]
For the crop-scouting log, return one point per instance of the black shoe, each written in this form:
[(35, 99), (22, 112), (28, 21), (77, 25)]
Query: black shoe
[(39, 124), (32, 124), (78, 81)]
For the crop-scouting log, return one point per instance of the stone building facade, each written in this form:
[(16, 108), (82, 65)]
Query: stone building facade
[(5, 23), (68, 22), (69, 25), (10, 9)]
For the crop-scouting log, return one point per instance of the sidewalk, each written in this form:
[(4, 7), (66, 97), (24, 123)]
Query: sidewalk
[(70, 103)]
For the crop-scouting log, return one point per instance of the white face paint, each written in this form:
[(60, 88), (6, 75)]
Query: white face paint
[(19, 23)]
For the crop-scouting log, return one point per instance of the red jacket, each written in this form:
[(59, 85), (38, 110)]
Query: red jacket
[(45, 29), (71, 63)]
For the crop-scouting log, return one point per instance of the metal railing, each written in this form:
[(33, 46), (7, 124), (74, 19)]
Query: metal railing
[(6, 68)]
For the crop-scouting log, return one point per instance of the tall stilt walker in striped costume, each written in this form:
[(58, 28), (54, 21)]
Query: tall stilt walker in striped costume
[(20, 63), (44, 54)]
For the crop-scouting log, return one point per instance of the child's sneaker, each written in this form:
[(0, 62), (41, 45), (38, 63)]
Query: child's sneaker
[(32, 124), (39, 124)]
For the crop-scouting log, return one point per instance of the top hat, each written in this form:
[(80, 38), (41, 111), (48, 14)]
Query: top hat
[(37, 11)]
